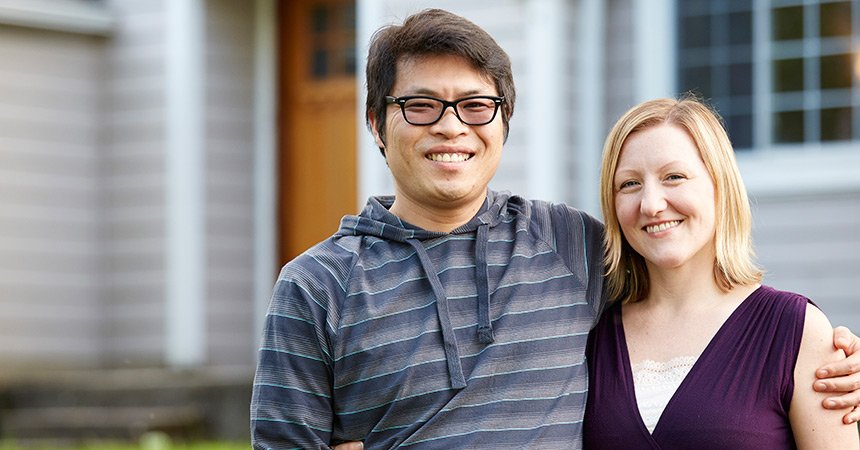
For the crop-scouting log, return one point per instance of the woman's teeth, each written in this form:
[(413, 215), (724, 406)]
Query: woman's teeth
[(662, 226)]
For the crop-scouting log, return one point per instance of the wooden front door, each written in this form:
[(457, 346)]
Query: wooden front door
[(317, 123)]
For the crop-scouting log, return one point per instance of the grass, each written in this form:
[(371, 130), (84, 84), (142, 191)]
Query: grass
[(132, 446)]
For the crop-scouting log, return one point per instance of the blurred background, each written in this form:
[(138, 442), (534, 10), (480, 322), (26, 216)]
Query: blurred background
[(160, 160)]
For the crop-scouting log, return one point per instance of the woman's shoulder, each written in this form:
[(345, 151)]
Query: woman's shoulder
[(769, 291)]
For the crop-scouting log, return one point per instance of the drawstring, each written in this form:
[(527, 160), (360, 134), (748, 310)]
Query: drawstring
[(485, 327), (452, 354)]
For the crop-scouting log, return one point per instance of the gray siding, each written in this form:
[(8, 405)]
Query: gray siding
[(811, 245), (229, 191), (134, 189), (619, 60), (83, 190), (49, 197)]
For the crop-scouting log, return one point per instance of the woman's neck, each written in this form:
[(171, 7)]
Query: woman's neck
[(682, 287)]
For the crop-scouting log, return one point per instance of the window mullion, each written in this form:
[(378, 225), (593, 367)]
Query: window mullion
[(762, 76), (812, 73)]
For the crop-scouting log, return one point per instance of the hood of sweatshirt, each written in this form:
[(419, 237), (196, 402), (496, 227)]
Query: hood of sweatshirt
[(376, 220)]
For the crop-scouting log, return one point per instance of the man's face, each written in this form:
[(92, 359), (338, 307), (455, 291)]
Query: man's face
[(448, 164)]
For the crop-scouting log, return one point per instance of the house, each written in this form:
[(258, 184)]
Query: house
[(159, 161)]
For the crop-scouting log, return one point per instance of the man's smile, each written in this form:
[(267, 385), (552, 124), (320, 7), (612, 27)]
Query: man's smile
[(449, 157)]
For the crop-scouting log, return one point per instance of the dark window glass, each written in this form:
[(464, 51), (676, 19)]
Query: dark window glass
[(349, 60), (688, 7), (788, 127), (740, 5), (348, 16), (698, 80), (319, 19), (835, 71), (835, 19), (332, 52), (320, 64), (836, 124), (740, 131), (788, 75), (788, 23), (740, 79), (740, 28), (696, 32)]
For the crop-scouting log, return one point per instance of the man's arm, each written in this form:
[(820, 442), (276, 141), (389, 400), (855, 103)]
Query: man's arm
[(291, 403), (842, 376)]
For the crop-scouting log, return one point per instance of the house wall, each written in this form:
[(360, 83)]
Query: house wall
[(810, 244), (50, 111), (619, 61), (137, 275), (134, 188), (229, 182), (83, 190)]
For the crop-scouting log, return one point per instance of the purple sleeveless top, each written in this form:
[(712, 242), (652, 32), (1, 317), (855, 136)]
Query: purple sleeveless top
[(736, 396)]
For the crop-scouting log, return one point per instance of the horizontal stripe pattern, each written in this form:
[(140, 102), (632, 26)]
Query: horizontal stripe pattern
[(353, 349)]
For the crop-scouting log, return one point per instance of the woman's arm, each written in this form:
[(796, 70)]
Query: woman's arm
[(842, 377), (815, 427)]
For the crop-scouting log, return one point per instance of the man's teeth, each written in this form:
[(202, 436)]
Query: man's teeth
[(662, 226), (449, 157)]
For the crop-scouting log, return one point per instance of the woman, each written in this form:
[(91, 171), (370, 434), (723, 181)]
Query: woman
[(695, 353)]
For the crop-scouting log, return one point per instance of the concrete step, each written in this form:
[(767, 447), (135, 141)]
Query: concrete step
[(67, 405), (101, 422)]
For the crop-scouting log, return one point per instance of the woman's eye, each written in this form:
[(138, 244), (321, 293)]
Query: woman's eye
[(627, 184), (675, 176)]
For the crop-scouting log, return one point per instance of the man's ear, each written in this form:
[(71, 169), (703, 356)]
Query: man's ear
[(375, 130)]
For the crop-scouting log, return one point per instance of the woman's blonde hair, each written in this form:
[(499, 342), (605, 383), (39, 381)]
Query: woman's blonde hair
[(626, 273)]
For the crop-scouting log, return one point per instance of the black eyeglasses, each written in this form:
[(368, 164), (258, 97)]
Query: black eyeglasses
[(424, 110)]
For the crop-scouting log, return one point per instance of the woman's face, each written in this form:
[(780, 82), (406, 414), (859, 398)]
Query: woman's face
[(665, 198)]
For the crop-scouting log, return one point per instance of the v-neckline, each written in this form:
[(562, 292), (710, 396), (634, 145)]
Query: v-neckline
[(628, 369)]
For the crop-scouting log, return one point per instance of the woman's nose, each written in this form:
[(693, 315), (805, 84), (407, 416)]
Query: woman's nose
[(653, 201)]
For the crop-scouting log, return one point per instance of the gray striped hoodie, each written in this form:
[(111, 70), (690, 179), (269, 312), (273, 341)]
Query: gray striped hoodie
[(403, 337)]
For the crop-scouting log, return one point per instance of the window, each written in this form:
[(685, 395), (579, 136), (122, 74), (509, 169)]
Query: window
[(779, 71), (332, 40), (715, 56)]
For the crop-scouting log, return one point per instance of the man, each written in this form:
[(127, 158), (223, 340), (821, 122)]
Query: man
[(447, 316)]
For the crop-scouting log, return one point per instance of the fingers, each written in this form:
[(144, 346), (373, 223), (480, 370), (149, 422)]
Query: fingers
[(846, 340), (849, 366), (349, 446), (843, 384), (848, 401), (852, 417)]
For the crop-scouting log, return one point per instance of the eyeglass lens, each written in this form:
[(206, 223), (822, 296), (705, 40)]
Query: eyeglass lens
[(472, 111)]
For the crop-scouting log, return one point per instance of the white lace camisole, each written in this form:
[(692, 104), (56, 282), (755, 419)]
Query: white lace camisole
[(655, 383)]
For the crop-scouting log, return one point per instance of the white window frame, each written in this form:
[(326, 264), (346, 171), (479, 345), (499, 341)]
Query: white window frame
[(74, 16)]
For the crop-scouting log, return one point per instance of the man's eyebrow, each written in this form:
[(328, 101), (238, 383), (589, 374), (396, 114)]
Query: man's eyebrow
[(432, 93)]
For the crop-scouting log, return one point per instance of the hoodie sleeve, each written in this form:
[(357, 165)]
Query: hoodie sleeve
[(579, 240), (291, 404)]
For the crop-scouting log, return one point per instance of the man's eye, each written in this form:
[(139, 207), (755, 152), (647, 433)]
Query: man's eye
[(417, 106), (476, 105)]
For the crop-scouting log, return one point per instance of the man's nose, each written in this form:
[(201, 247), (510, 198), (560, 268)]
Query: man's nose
[(449, 123)]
